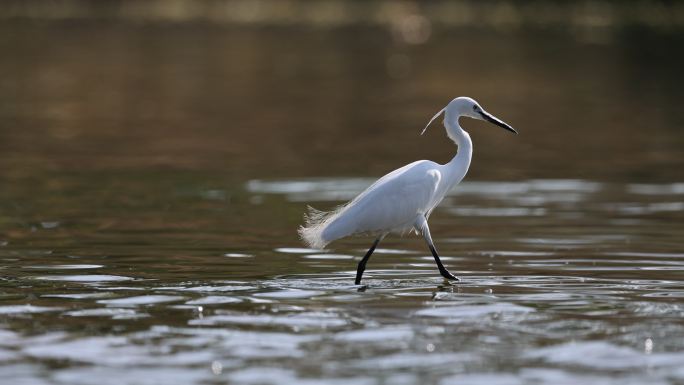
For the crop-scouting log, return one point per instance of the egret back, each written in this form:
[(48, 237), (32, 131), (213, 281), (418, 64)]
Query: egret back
[(389, 205)]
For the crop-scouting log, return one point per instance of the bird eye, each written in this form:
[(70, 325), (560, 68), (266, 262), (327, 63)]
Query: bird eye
[(474, 108)]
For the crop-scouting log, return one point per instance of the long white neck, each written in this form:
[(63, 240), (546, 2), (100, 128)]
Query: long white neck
[(457, 168)]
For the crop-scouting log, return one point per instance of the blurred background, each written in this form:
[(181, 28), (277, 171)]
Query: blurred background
[(293, 88), (156, 158)]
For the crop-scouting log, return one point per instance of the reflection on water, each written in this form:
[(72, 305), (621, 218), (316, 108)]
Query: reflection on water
[(545, 298), (152, 179)]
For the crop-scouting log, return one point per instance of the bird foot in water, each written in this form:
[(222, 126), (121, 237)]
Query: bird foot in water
[(448, 276)]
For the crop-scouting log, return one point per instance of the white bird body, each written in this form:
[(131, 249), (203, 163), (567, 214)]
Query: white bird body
[(393, 203), (403, 199)]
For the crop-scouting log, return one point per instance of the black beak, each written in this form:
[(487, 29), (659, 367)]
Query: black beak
[(486, 116)]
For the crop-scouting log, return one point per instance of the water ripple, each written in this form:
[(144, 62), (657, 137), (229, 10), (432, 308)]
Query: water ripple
[(141, 300), (85, 278)]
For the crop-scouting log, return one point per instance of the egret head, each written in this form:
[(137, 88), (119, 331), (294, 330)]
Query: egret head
[(465, 106)]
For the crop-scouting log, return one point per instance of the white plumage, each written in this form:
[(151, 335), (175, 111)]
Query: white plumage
[(403, 199), (391, 204)]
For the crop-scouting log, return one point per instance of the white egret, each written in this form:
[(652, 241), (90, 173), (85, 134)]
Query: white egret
[(403, 199)]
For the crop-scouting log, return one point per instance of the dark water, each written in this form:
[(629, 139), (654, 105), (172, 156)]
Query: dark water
[(152, 179)]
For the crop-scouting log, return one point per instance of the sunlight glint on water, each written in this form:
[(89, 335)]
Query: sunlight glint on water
[(153, 176), (546, 295)]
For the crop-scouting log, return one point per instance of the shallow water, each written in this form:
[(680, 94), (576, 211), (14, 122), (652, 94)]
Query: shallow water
[(562, 281), (148, 232)]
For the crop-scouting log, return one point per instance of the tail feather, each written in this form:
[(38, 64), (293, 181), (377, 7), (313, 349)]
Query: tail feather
[(315, 223)]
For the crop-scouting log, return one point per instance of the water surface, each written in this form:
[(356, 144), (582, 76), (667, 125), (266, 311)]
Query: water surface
[(153, 178), (562, 280)]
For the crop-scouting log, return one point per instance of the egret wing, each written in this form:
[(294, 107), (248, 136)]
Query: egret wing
[(392, 203)]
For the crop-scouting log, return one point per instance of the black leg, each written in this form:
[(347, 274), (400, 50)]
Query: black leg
[(362, 264), (442, 270), (422, 225)]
